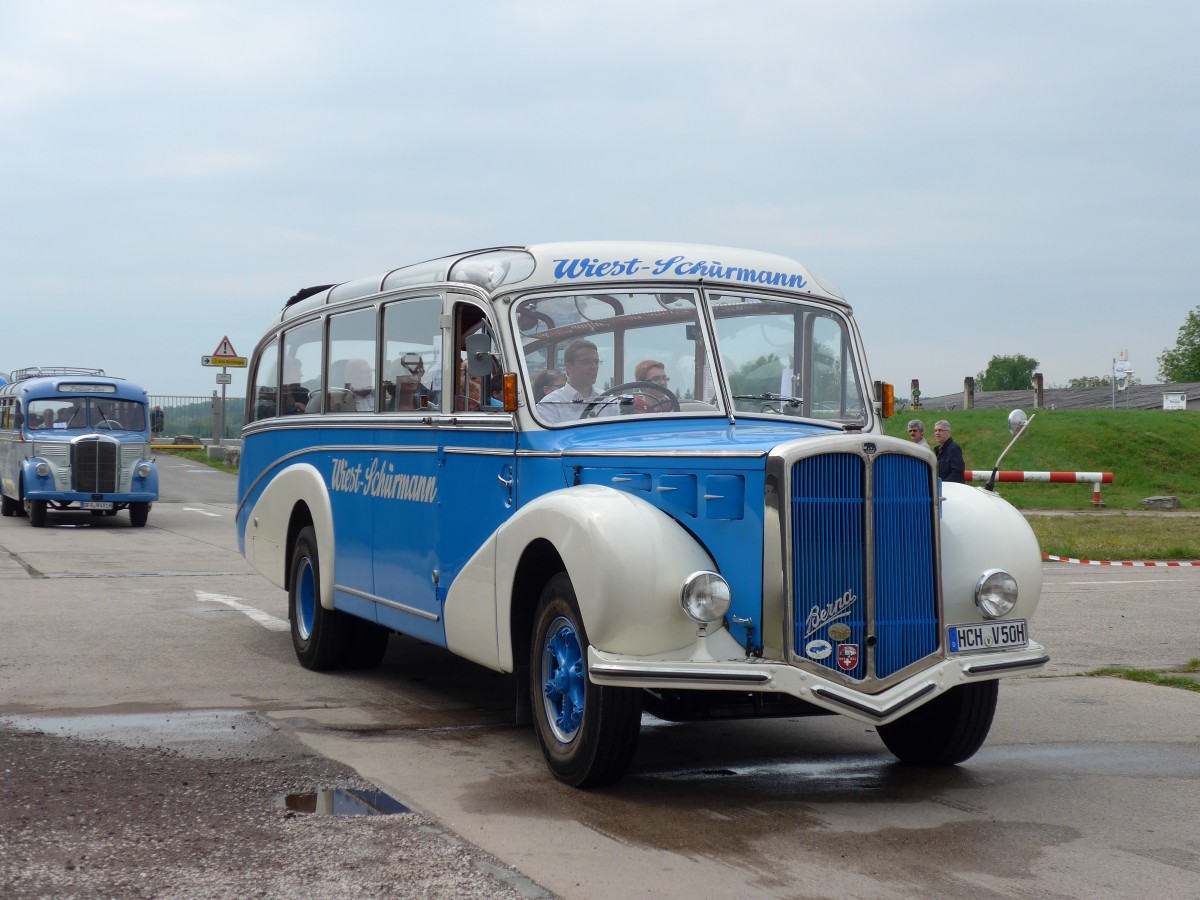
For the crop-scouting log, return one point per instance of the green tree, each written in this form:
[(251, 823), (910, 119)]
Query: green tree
[(1095, 381), (1007, 373), (1183, 362)]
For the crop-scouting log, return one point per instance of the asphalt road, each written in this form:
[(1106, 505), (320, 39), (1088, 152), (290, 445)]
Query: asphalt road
[(154, 716)]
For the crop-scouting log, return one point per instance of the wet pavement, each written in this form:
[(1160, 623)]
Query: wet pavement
[(213, 804)]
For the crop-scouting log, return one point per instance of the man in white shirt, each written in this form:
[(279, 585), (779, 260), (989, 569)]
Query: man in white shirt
[(360, 379), (582, 362)]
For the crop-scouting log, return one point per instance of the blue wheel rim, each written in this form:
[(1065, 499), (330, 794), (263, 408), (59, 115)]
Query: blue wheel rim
[(564, 679), (306, 599)]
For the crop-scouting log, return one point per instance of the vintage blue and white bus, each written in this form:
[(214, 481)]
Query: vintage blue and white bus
[(644, 478), (74, 439)]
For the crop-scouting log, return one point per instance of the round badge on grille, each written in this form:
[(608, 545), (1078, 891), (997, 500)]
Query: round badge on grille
[(869, 447), (839, 631)]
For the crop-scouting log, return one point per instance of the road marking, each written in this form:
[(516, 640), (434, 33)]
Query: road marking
[(203, 512), (266, 620)]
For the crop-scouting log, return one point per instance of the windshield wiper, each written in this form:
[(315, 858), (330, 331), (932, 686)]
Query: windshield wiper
[(771, 398)]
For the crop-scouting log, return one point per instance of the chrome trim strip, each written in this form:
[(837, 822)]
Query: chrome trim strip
[(669, 454), (880, 714), (985, 668), (696, 676), (412, 610), (478, 451)]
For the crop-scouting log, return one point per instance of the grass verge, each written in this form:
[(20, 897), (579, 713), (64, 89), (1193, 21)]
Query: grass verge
[(198, 456), (1119, 537), (1150, 676)]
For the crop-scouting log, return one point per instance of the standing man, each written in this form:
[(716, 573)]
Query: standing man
[(916, 433), (582, 362), (949, 455)]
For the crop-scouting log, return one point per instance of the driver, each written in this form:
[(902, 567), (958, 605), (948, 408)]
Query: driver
[(582, 362)]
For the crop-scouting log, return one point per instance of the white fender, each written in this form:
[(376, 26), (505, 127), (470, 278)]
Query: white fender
[(266, 526), (980, 531), (627, 561)]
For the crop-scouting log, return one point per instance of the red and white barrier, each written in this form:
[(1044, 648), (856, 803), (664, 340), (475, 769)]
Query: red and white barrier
[(1118, 562), (1094, 478)]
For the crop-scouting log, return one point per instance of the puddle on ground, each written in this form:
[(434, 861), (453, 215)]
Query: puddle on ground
[(339, 802)]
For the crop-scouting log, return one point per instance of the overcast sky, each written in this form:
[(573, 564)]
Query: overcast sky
[(979, 178)]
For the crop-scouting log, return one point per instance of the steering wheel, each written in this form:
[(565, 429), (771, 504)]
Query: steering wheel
[(648, 398)]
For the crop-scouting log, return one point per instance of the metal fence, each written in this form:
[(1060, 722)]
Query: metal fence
[(198, 417)]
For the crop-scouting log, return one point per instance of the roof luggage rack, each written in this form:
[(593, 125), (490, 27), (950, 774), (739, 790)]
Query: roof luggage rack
[(50, 372)]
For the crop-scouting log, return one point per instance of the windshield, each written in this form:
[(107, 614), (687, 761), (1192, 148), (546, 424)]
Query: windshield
[(596, 355), (86, 414)]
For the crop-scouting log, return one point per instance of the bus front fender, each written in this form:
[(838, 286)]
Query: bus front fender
[(627, 561)]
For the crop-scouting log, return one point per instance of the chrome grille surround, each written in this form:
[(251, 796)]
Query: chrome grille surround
[(96, 464), (855, 521)]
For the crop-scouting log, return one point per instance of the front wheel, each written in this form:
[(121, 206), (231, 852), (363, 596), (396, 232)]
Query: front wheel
[(588, 733), (36, 510), (138, 514), (320, 636), (8, 506), (947, 730)]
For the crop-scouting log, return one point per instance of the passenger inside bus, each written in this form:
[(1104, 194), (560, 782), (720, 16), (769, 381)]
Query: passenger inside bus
[(360, 380), (408, 391), (295, 395)]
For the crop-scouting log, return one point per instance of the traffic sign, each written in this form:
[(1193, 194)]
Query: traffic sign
[(224, 378), (224, 348), (233, 362)]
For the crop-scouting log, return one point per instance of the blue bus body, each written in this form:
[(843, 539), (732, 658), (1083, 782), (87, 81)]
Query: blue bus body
[(704, 519)]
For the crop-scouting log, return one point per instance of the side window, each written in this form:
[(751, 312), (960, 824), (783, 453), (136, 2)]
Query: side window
[(351, 376), (412, 354), (302, 368), (264, 402)]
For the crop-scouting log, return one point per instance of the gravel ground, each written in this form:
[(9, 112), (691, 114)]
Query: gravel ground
[(133, 810)]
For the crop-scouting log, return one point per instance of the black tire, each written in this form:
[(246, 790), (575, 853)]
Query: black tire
[(588, 733), (319, 635), (138, 514), (36, 510), (947, 730), (8, 506), (365, 645)]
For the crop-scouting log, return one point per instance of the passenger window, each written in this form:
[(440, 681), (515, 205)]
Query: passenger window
[(302, 368), (412, 353), (266, 384), (353, 382)]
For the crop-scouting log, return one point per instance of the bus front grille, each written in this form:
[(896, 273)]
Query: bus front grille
[(94, 466), (863, 559)]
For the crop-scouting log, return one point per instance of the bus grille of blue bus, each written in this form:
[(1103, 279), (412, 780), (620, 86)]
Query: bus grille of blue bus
[(835, 535), (94, 468)]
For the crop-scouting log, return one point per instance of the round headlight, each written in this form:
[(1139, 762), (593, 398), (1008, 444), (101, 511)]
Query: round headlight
[(705, 597), (996, 593), (144, 470), (42, 469)]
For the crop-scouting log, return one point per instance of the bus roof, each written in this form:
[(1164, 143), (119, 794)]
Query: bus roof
[(580, 263), (63, 381)]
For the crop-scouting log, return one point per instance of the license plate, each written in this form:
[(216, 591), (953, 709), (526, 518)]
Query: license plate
[(988, 636), (95, 504)]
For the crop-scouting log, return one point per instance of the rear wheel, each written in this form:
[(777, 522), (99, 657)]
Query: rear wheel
[(320, 636), (8, 506), (945, 731), (36, 510), (139, 513), (588, 733)]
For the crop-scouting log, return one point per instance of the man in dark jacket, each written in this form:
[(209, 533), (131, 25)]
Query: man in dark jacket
[(949, 455)]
